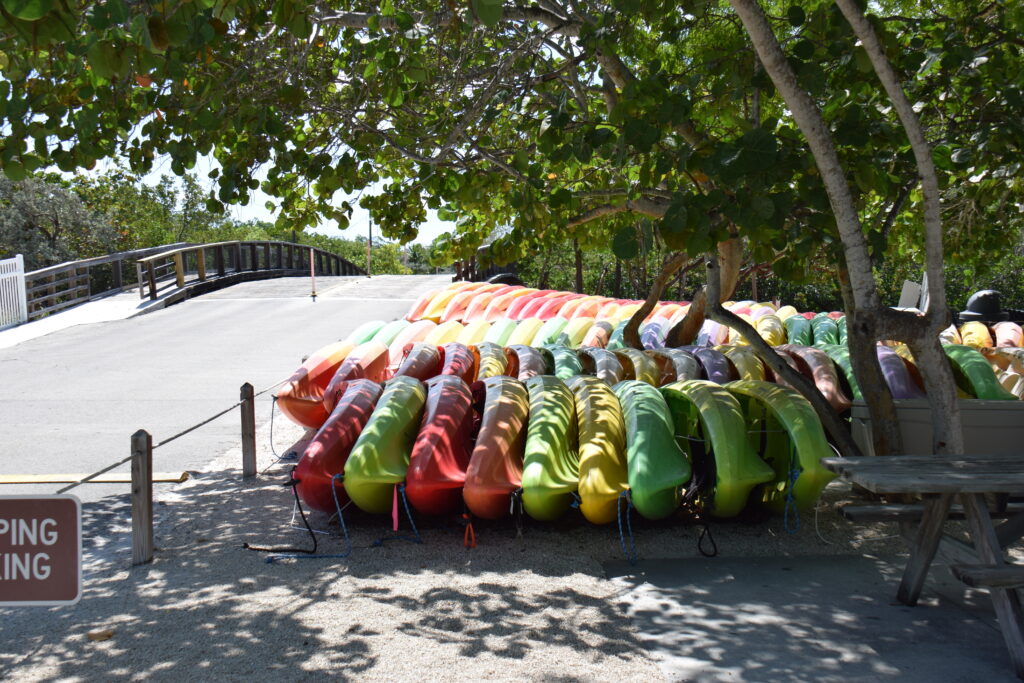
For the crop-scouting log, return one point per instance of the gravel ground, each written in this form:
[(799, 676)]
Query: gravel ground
[(530, 606)]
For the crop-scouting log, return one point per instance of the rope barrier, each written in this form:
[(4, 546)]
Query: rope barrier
[(194, 427)]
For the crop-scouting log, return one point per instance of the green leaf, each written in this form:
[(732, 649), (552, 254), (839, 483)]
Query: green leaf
[(625, 245), (489, 11), (796, 15), (804, 50), (28, 10), (763, 206)]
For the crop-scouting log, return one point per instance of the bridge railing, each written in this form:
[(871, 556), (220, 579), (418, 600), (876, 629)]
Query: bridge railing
[(199, 263), (55, 288)]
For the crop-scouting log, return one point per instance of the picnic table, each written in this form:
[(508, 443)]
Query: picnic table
[(941, 481)]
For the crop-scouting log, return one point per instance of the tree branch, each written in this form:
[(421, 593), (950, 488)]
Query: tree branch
[(836, 426)]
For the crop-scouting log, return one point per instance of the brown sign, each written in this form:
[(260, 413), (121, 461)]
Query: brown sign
[(40, 550)]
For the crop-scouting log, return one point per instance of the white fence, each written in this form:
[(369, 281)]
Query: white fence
[(13, 306)]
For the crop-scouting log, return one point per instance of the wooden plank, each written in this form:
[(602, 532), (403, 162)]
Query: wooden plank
[(108, 478), (989, 576), (923, 547), (940, 483), (909, 512), (142, 497)]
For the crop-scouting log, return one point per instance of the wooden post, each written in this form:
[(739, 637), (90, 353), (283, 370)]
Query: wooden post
[(142, 497), (201, 263), (280, 256), (254, 257), (266, 255), (179, 270), (118, 277), (138, 275), (219, 256), (238, 257), (151, 276), (248, 431)]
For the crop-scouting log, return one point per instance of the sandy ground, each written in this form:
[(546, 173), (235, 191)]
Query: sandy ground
[(535, 606)]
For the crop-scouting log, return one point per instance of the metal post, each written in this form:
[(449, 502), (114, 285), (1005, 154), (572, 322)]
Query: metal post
[(142, 497), (248, 431)]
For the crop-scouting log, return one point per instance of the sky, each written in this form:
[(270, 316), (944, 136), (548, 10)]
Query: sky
[(256, 208)]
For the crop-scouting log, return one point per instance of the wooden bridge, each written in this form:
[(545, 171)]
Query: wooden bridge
[(175, 270)]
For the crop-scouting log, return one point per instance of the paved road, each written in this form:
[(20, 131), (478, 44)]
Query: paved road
[(70, 400)]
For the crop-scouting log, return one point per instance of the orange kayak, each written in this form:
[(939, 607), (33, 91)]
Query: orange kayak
[(496, 464), (301, 397)]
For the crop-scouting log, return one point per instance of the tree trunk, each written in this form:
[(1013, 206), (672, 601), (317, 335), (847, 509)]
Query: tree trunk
[(834, 425), (617, 286), (862, 340), (920, 332), (730, 255), (631, 335), (579, 266), (940, 386)]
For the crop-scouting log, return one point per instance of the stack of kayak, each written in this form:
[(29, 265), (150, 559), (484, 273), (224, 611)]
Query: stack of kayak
[(469, 313), (484, 392), (469, 427)]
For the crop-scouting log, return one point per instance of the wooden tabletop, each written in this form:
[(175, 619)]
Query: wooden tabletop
[(932, 473)]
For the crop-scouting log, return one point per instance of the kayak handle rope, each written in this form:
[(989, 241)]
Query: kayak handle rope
[(290, 455), (515, 508), (794, 474), (469, 536), (631, 555), (293, 482), (415, 538)]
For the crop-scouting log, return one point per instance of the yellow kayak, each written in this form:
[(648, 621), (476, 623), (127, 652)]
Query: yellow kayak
[(525, 331), (745, 360), (639, 366), (976, 334), (474, 332), (602, 439), (574, 332), (444, 333)]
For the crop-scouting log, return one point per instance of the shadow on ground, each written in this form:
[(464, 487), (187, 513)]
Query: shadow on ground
[(207, 607), (808, 619)]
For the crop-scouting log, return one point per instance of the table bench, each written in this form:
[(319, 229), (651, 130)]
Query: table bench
[(941, 480)]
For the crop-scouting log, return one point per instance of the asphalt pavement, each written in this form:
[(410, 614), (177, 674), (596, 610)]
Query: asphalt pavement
[(71, 399)]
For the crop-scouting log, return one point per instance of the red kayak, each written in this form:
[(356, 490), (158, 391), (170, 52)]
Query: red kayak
[(301, 397), (459, 361), (422, 361), (440, 454), (366, 361), (326, 454), (496, 465)]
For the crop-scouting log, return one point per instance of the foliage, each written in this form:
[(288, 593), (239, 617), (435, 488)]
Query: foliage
[(48, 224), (551, 122)]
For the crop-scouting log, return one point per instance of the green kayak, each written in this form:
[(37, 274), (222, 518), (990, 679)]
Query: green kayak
[(567, 362), (798, 330), (657, 468), (500, 331), (975, 375), (365, 332), (794, 442), (549, 331), (710, 428), (824, 329), (551, 464), (380, 457), (389, 332)]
